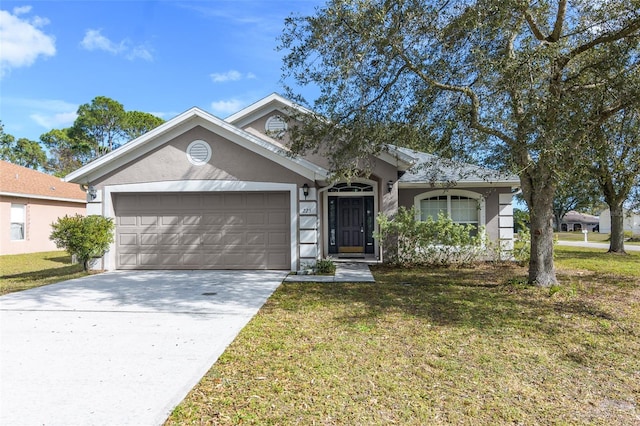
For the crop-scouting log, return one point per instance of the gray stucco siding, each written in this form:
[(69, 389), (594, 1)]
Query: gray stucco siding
[(229, 161)]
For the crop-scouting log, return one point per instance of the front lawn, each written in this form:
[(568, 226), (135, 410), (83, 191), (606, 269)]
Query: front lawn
[(24, 271), (443, 346)]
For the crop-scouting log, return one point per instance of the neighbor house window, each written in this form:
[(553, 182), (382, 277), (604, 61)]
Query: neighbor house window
[(463, 207), (18, 222)]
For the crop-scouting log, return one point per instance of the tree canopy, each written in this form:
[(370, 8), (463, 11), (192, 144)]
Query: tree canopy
[(529, 81)]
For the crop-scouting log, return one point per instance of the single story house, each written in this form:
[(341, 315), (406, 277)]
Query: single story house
[(199, 192), (30, 201), (574, 221), (631, 221)]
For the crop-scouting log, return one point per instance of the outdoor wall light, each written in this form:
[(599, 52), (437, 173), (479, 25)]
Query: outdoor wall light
[(92, 193), (390, 186), (305, 190)]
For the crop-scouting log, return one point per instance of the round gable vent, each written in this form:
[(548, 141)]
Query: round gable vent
[(275, 125), (198, 153)]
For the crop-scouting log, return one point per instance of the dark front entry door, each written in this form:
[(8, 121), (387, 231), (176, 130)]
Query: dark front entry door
[(350, 225)]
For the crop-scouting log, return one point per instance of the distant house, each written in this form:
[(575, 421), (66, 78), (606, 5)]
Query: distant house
[(574, 221), (631, 221), (30, 201)]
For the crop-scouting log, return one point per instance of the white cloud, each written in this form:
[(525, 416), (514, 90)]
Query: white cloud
[(231, 75), (55, 121), (224, 108), (21, 40), (94, 40)]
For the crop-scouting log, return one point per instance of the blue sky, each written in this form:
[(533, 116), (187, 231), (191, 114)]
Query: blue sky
[(162, 57)]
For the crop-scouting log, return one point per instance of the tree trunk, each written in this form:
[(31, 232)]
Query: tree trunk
[(616, 245), (539, 198)]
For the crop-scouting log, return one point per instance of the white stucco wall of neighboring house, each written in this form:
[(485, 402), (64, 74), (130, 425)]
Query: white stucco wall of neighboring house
[(631, 222)]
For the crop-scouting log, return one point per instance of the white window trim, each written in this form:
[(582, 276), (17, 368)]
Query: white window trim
[(23, 218), (482, 221)]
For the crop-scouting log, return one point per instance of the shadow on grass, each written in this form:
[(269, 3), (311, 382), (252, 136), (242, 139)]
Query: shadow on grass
[(44, 273), (479, 299)]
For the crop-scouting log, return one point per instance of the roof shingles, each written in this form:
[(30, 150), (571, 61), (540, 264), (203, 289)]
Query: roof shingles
[(20, 180)]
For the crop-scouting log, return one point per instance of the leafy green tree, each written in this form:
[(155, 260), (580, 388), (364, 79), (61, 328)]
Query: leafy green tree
[(66, 153), (85, 237), (24, 152), (138, 123), (516, 75), (614, 153), (577, 190), (100, 125)]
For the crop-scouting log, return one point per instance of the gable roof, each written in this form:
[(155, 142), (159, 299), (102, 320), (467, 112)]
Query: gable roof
[(431, 169), (18, 181), (274, 102), (179, 125), (269, 103)]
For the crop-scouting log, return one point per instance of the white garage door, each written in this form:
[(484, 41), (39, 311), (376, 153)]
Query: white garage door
[(221, 230)]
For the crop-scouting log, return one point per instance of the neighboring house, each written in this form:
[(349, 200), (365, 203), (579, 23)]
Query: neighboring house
[(574, 221), (30, 201), (631, 222), (199, 192)]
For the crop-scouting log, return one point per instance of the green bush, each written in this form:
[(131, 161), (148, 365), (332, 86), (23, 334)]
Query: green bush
[(522, 246), (409, 241), (83, 236), (325, 267)]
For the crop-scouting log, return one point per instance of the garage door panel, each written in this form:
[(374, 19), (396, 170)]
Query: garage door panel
[(149, 220), (148, 239), (126, 221), (148, 259), (203, 231), (128, 239), (191, 220), (169, 239), (170, 220)]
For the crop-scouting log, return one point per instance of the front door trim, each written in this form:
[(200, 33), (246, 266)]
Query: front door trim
[(324, 231)]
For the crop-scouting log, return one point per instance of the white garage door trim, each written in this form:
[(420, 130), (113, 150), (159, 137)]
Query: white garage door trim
[(202, 186)]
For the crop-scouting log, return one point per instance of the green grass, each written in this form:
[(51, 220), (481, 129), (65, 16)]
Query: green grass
[(24, 271), (597, 260), (593, 237), (434, 346)]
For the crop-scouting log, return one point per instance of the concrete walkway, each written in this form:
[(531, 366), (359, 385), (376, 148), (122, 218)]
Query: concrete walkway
[(346, 272), (605, 246), (119, 348)]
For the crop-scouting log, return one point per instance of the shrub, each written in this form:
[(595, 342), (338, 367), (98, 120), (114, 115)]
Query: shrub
[(325, 267), (409, 241), (522, 246), (83, 236)]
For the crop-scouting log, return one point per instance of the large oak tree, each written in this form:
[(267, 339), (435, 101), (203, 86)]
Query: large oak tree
[(519, 75)]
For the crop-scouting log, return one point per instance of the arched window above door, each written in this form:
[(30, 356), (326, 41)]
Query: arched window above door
[(351, 187)]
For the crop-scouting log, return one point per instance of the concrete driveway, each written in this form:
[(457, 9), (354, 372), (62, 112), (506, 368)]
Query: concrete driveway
[(119, 348)]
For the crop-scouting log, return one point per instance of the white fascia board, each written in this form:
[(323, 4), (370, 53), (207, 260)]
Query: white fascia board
[(460, 183), (273, 101), (398, 159), (42, 197)]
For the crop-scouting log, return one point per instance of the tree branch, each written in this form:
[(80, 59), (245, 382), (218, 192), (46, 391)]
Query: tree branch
[(470, 94), (534, 27), (557, 27), (633, 26)]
